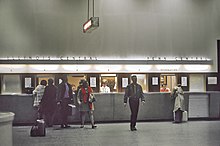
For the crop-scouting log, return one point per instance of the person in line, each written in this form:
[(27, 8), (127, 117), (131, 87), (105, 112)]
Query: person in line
[(134, 92), (85, 100), (164, 88), (178, 110), (38, 93), (49, 102), (105, 88), (64, 97), (74, 89), (79, 87)]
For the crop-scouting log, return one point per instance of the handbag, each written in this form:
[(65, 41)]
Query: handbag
[(92, 98), (38, 129)]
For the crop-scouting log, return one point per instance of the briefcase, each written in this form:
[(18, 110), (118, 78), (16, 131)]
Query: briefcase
[(72, 109)]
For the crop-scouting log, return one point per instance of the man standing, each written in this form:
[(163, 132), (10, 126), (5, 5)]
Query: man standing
[(134, 92), (64, 97)]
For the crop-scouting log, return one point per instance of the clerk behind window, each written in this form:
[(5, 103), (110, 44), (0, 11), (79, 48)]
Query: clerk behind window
[(164, 88), (105, 88)]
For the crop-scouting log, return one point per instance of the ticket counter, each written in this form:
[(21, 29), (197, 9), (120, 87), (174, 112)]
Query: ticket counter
[(109, 107)]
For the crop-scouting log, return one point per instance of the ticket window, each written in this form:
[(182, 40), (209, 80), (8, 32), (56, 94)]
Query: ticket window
[(74, 80), (108, 81), (11, 84), (44, 77), (167, 82), (142, 80)]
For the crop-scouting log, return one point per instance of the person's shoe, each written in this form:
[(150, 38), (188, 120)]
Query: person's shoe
[(94, 126), (62, 126), (50, 126), (66, 126), (133, 129), (82, 126)]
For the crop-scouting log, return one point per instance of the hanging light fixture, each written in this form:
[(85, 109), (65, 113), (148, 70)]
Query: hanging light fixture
[(92, 23)]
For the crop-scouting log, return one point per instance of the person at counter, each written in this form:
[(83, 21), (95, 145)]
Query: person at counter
[(38, 94), (64, 97), (85, 100), (134, 92), (164, 88), (178, 110), (105, 88), (48, 102)]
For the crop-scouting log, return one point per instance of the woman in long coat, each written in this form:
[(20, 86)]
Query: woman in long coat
[(179, 103), (85, 100)]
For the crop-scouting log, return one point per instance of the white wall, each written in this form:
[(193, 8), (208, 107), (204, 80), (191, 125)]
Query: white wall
[(128, 28)]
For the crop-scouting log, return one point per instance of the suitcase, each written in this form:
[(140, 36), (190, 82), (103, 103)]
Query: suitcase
[(185, 116), (178, 116), (38, 129)]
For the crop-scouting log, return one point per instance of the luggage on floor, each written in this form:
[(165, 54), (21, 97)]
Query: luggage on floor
[(185, 116), (178, 116), (38, 129)]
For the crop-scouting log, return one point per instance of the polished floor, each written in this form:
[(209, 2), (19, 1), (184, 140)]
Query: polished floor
[(192, 133)]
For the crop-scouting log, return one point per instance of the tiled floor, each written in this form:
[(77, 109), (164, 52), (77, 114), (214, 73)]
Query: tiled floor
[(192, 133)]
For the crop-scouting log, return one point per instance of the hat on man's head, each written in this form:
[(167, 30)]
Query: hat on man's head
[(81, 81), (64, 77), (133, 76)]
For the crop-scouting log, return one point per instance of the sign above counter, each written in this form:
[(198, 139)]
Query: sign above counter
[(96, 60)]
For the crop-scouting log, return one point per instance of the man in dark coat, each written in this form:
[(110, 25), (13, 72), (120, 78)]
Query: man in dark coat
[(64, 97), (134, 92), (49, 102)]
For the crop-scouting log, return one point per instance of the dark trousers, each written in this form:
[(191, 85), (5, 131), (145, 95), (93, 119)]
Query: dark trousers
[(134, 107), (83, 117), (38, 111), (49, 117), (64, 110)]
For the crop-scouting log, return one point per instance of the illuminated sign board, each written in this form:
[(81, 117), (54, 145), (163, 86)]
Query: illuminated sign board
[(91, 24)]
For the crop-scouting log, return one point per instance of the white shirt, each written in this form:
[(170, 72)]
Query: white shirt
[(105, 89)]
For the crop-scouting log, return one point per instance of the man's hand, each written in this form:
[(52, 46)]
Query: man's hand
[(59, 104), (125, 104)]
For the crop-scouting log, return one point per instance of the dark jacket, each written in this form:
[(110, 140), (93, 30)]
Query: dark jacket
[(129, 92), (49, 99), (61, 91)]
